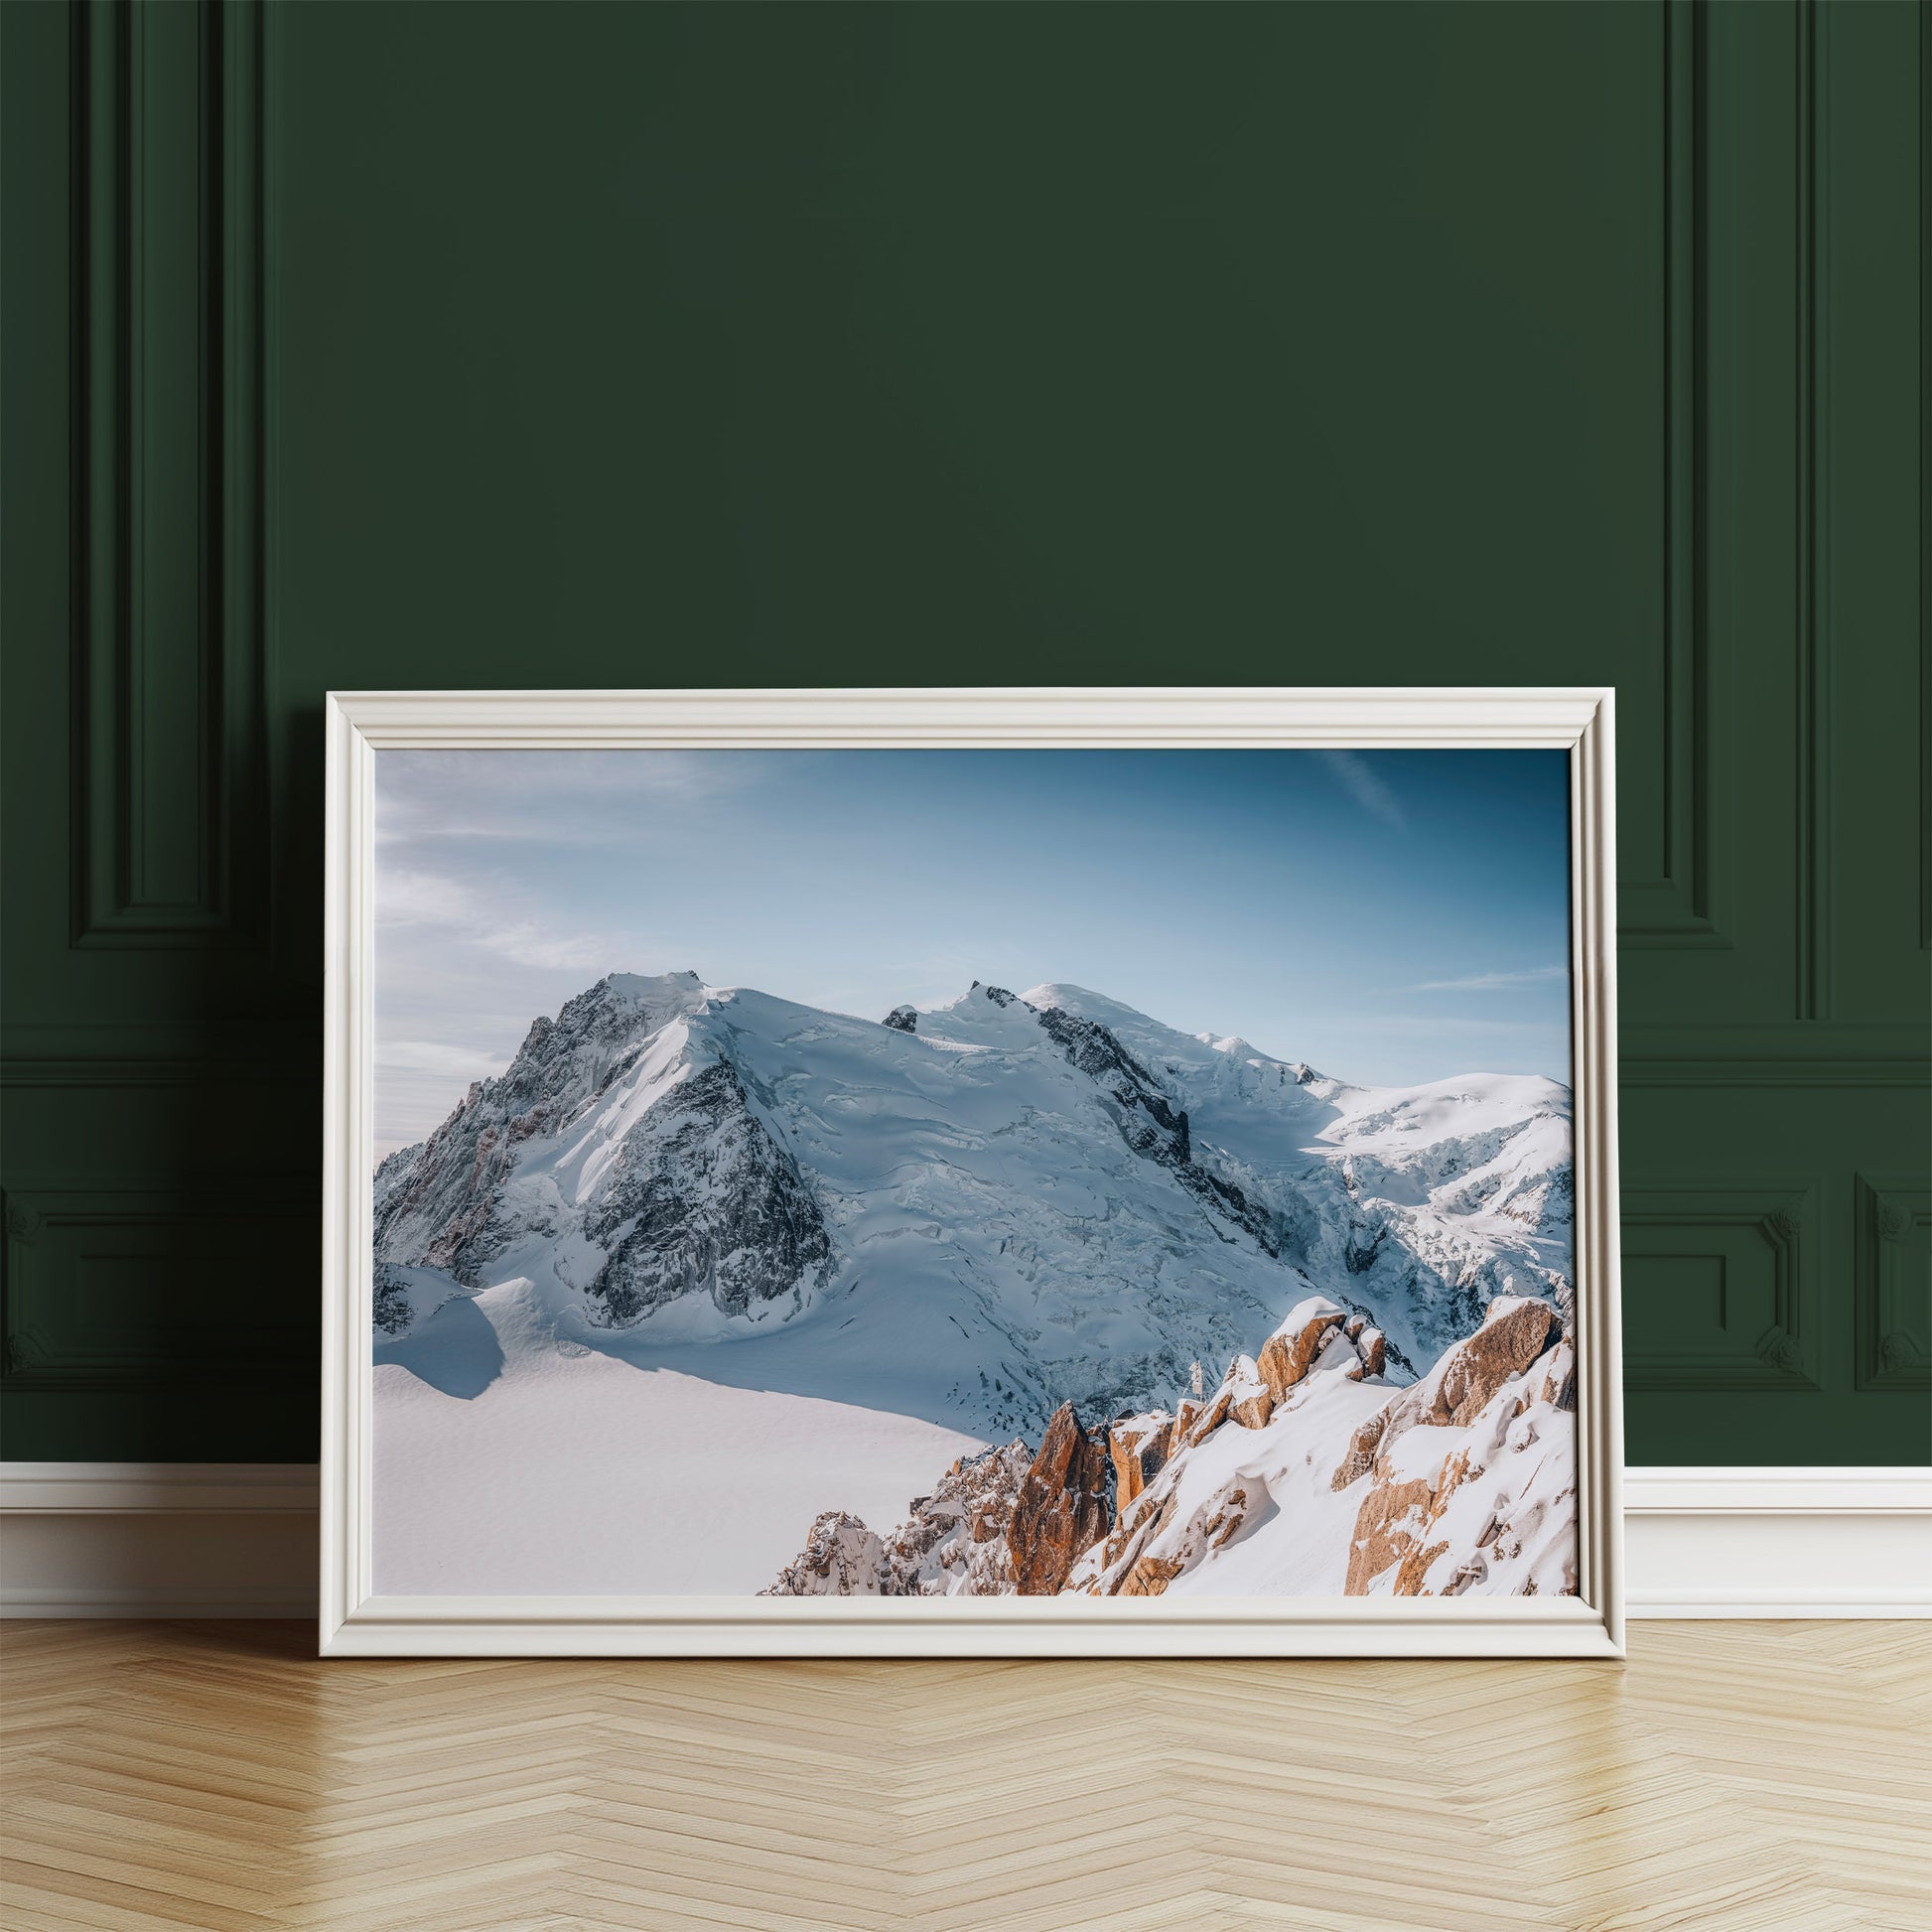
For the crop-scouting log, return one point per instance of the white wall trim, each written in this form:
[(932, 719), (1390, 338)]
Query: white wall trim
[(1720, 1491), (239, 1539), (158, 1539), (123, 1488), (1779, 1542)]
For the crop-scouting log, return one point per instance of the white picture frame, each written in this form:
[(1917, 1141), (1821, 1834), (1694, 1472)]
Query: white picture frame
[(353, 1621)]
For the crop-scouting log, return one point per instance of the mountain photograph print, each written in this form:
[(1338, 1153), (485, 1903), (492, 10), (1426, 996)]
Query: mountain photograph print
[(973, 1173)]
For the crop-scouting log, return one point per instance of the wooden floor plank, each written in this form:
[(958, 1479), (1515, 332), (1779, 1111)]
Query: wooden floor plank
[(1734, 1777)]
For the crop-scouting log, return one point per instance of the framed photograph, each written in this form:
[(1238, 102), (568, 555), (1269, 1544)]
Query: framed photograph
[(993, 1173)]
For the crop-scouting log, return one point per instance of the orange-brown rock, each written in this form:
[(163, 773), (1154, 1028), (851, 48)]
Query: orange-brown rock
[(1460, 1387), (1482, 1363), (1559, 1384), (1414, 1568), (1250, 1402), (1359, 1458), (1286, 1355), (1204, 1419), (1396, 1516), (1134, 1527), (1385, 1530), (1253, 1411), (1148, 1577), (1373, 1347), (986, 1522), (1139, 1446), (1391, 1522), (1062, 1509), (1224, 1523)]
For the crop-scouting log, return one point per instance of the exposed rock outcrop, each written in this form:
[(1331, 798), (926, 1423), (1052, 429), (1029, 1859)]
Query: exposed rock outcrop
[(1152, 1125), (1250, 1400), (696, 1196), (1063, 1508), (1169, 1526), (953, 1544), (1471, 1472), (1373, 1347), (703, 1199), (1514, 1333), (1359, 1458), (1288, 1354), (1153, 1545), (1391, 1530), (1463, 1481), (841, 1558), (1139, 1446), (904, 1019)]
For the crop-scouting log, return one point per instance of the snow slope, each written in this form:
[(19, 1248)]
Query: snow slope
[(573, 1472)]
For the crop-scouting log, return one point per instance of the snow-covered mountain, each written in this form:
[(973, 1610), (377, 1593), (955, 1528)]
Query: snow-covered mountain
[(970, 1216)]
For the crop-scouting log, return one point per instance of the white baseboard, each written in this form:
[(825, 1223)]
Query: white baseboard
[(237, 1539), (158, 1539), (1778, 1543)]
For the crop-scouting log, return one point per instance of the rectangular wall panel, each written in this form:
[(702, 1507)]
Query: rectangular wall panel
[(168, 788), (1716, 1286), (110, 1287)]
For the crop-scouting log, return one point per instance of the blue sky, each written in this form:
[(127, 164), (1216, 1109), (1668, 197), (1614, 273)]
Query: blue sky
[(1390, 916)]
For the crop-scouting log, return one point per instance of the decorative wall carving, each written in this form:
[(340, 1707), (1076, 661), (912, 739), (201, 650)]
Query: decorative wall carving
[(1717, 1284)]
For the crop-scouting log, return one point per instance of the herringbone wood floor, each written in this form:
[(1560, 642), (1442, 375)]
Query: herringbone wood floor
[(214, 1776)]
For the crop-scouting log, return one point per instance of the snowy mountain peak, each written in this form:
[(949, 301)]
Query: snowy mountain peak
[(652, 992), (981, 1015), (972, 1214)]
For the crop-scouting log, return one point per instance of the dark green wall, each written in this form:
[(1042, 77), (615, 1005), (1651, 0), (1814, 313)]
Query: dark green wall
[(492, 345)]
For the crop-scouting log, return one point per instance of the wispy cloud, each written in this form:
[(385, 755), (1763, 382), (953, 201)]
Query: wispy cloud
[(427, 898), (589, 798), (1494, 982), (528, 943), (1357, 777), (437, 1056)]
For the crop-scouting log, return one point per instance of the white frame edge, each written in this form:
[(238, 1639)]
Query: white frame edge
[(356, 1622)]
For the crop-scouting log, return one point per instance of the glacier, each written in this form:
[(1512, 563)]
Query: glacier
[(971, 1214)]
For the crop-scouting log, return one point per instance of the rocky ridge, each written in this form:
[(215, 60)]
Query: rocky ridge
[(1463, 1481), (953, 1544)]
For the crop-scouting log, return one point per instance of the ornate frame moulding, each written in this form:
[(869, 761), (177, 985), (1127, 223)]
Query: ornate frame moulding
[(356, 1622)]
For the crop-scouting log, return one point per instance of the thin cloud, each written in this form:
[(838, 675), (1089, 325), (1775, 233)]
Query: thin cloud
[(1358, 778), (425, 899), (437, 1056), (422, 899), (589, 798), (1494, 982), (526, 946)]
